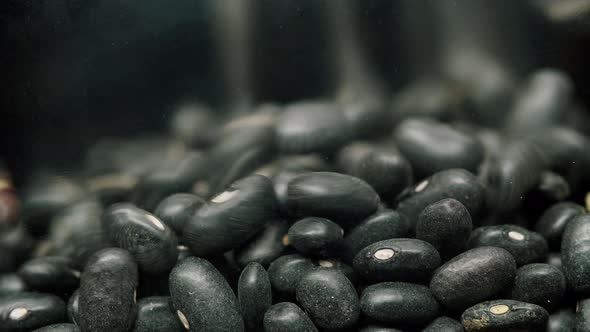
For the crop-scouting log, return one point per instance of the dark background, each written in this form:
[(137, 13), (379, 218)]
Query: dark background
[(76, 70)]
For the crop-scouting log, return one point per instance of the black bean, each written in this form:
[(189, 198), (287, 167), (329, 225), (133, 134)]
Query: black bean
[(543, 102), (397, 260), (312, 127), (176, 210), (382, 225), (151, 242), (553, 221), (399, 303), (60, 327), (203, 299), (107, 292), (432, 147), (563, 320), (428, 98), (444, 323), (575, 249), (454, 183), (232, 217), (384, 168), (156, 314), (329, 298), (504, 315), (315, 236), (368, 116), (540, 284), (286, 271), (287, 317), (192, 124), (76, 232), (513, 173), (11, 283), (341, 198), (15, 246), (169, 179), (446, 225), (254, 294), (73, 307), (553, 187), (526, 246), (375, 328), (28, 311), (266, 246), (473, 276), (50, 274)]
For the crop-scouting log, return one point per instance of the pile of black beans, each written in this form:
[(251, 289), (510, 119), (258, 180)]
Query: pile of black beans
[(318, 215)]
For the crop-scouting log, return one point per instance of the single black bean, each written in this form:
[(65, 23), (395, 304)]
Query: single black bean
[(50, 274), (232, 217), (202, 297), (432, 147), (368, 116), (526, 246), (315, 236), (151, 242), (399, 303), (397, 260), (563, 320), (543, 102), (382, 167), (254, 294), (458, 184), (513, 173), (382, 225), (287, 317), (156, 314), (73, 307), (329, 298), (504, 315), (28, 311), (176, 210), (169, 179), (341, 198), (375, 328), (473, 276), (11, 283), (575, 254), (446, 225), (76, 232), (60, 327), (108, 292), (266, 246), (583, 316), (193, 124), (286, 271), (311, 126), (553, 187), (553, 221), (540, 284)]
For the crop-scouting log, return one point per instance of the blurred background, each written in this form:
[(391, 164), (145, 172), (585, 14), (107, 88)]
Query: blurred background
[(73, 71)]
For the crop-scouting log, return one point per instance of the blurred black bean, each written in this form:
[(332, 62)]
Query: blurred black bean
[(341, 198), (254, 294), (553, 187), (397, 260), (151, 242), (504, 315), (575, 254), (382, 167), (50, 274), (329, 298), (203, 299), (107, 300), (428, 98), (473, 276), (193, 124), (526, 246), (432, 147), (563, 320), (11, 283), (554, 259), (554, 220), (28, 311), (287, 317), (286, 271), (16, 246), (400, 303), (367, 116), (266, 246), (446, 225), (156, 314), (540, 284), (315, 236), (177, 209), (232, 218)]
